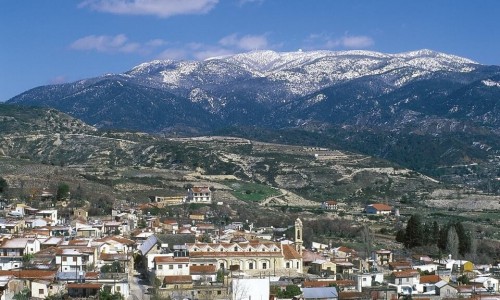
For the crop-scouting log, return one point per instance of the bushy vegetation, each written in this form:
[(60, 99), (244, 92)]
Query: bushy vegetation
[(249, 191)]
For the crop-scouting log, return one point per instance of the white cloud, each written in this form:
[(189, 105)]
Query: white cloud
[(247, 42), (243, 2), (227, 45), (160, 8), (114, 44), (325, 41), (357, 41)]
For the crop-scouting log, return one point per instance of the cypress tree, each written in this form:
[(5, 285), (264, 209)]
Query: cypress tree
[(414, 232)]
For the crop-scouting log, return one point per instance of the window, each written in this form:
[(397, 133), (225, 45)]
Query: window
[(170, 267), (41, 292), (264, 266), (179, 266), (288, 265), (160, 267), (235, 248), (118, 288), (64, 258), (250, 266), (219, 292)]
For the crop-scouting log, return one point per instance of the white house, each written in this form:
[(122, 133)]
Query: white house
[(490, 283), (199, 194), (169, 265)]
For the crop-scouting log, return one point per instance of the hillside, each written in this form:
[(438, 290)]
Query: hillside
[(424, 110), (133, 166)]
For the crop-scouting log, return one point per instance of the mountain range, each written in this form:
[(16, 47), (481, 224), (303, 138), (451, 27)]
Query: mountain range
[(408, 107)]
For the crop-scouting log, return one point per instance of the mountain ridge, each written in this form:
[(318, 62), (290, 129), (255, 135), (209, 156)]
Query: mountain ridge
[(361, 94)]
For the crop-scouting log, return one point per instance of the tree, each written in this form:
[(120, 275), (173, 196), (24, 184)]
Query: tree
[(367, 239), (24, 294), (62, 192), (3, 185), (414, 232), (452, 242), (290, 291), (105, 294), (464, 240)]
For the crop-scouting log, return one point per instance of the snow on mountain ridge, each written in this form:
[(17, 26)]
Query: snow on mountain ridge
[(301, 72)]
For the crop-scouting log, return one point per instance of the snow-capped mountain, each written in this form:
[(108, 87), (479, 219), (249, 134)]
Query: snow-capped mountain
[(282, 89)]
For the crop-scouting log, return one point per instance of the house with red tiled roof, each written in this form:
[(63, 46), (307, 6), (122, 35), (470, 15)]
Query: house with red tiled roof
[(400, 265), (203, 273), (406, 277), (329, 205), (344, 252), (199, 194), (170, 226), (378, 209), (428, 284), (177, 282), (170, 265), (382, 256)]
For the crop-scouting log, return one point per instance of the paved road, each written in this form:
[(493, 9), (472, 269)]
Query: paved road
[(137, 290)]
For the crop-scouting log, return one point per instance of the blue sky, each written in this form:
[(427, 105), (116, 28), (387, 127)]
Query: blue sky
[(56, 41)]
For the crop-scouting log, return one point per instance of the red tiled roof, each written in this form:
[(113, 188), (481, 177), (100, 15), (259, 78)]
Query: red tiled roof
[(114, 256), (289, 252), (170, 222), (234, 254), (202, 269), (331, 202), (83, 285), (399, 265), (170, 259), (177, 279), (200, 189), (322, 283), (381, 207), (405, 273), (30, 274), (429, 279)]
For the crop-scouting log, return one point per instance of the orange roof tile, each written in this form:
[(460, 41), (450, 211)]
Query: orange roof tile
[(30, 274), (170, 259), (429, 279), (202, 269), (83, 285), (177, 279), (405, 273), (289, 252), (381, 207)]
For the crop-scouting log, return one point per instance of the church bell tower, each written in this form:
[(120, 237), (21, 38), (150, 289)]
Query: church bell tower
[(298, 236)]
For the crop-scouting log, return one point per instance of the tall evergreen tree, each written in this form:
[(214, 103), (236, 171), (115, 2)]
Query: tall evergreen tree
[(414, 232), (3, 185), (435, 233), (464, 239)]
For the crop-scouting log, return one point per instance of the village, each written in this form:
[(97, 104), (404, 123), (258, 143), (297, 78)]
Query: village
[(134, 254)]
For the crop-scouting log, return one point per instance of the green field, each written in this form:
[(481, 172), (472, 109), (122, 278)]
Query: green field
[(252, 192)]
